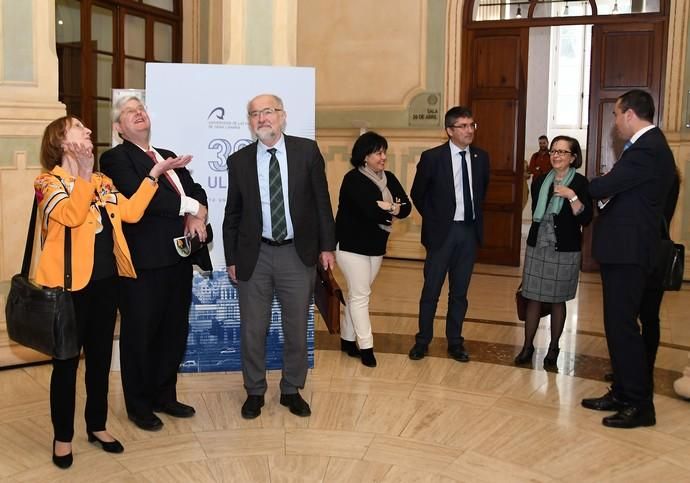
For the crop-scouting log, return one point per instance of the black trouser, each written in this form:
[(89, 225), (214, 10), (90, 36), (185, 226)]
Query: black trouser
[(95, 309), (649, 321), (153, 334), (623, 286), (454, 257)]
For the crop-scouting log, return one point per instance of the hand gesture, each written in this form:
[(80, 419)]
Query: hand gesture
[(170, 163), (82, 153), (563, 191)]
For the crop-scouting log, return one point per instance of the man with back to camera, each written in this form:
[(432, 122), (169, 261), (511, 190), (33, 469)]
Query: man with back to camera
[(448, 190), (625, 243), (155, 306), (278, 224)]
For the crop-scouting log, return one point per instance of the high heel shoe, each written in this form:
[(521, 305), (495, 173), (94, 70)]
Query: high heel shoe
[(368, 358), (107, 446), (551, 358), (349, 346), (62, 462), (524, 357)]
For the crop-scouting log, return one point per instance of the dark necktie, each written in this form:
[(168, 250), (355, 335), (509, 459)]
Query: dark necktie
[(466, 193), (275, 187), (152, 155)]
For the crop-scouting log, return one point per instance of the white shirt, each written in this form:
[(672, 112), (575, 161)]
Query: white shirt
[(456, 159), (263, 158)]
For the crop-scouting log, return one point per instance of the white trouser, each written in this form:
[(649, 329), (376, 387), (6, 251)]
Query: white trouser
[(360, 272)]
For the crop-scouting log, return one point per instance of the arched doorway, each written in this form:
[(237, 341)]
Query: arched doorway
[(628, 51)]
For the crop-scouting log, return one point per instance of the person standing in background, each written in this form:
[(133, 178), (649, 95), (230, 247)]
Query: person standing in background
[(371, 199), (448, 190), (540, 162)]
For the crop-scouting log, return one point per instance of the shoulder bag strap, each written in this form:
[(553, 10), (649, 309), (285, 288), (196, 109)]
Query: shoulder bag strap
[(29, 247)]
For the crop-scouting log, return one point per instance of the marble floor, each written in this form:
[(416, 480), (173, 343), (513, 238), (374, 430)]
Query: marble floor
[(429, 420)]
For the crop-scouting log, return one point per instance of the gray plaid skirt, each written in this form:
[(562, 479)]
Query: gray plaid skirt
[(548, 275)]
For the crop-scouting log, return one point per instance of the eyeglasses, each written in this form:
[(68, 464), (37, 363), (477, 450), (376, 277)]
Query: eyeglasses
[(560, 152), (471, 125), (266, 112)]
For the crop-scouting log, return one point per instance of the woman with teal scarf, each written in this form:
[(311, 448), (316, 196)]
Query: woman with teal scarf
[(561, 206)]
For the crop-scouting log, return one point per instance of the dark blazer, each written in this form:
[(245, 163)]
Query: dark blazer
[(150, 240), (433, 192), (567, 226), (627, 228), (358, 219), (310, 206)]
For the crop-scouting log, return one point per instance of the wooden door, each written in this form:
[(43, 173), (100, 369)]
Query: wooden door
[(495, 87), (624, 56)]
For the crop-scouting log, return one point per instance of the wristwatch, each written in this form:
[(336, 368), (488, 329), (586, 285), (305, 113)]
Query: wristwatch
[(573, 199)]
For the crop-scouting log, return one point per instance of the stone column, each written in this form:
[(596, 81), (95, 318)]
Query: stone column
[(28, 102)]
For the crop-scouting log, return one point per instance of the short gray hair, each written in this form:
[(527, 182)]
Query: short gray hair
[(278, 100), (117, 109)]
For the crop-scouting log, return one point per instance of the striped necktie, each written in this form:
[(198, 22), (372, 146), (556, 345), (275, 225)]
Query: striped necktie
[(275, 186)]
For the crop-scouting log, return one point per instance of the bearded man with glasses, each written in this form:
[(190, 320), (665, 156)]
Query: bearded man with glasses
[(448, 190), (278, 225)]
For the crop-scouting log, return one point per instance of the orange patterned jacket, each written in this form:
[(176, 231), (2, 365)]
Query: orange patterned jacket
[(66, 200)]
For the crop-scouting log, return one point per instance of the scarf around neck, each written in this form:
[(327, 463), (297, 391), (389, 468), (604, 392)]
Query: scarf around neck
[(380, 180), (556, 201)]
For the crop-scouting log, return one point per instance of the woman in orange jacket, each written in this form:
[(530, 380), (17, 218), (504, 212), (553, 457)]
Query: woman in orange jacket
[(71, 195)]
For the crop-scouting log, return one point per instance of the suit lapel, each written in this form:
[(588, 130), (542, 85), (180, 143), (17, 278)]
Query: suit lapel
[(253, 178)]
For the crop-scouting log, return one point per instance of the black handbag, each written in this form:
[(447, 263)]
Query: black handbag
[(43, 318), (670, 262)]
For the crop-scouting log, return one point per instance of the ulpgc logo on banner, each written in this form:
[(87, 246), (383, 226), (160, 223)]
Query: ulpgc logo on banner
[(220, 118), (218, 113), (222, 148)]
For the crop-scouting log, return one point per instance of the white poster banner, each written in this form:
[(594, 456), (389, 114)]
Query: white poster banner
[(202, 110)]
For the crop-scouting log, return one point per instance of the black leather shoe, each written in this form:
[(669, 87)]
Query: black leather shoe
[(150, 422), (252, 407), (176, 409), (368, 358), (605, 403), (296, 404), (524, 357), (608, 377), (62, 462), (630, 417), (458, 353), (349, 347), (418, 352), (107, 446)]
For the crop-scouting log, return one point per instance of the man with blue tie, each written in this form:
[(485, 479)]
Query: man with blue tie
[(278, 224), (448, 190), (625, 242)]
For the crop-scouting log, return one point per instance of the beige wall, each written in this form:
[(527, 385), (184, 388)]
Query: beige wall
[(378, 64)]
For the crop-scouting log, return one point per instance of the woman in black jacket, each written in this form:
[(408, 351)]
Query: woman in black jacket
[(370, 200), (561, 206)]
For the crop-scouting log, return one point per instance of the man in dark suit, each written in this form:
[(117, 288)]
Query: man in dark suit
[(448, 191), (625, 243), (154, 307), (278, 224)]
